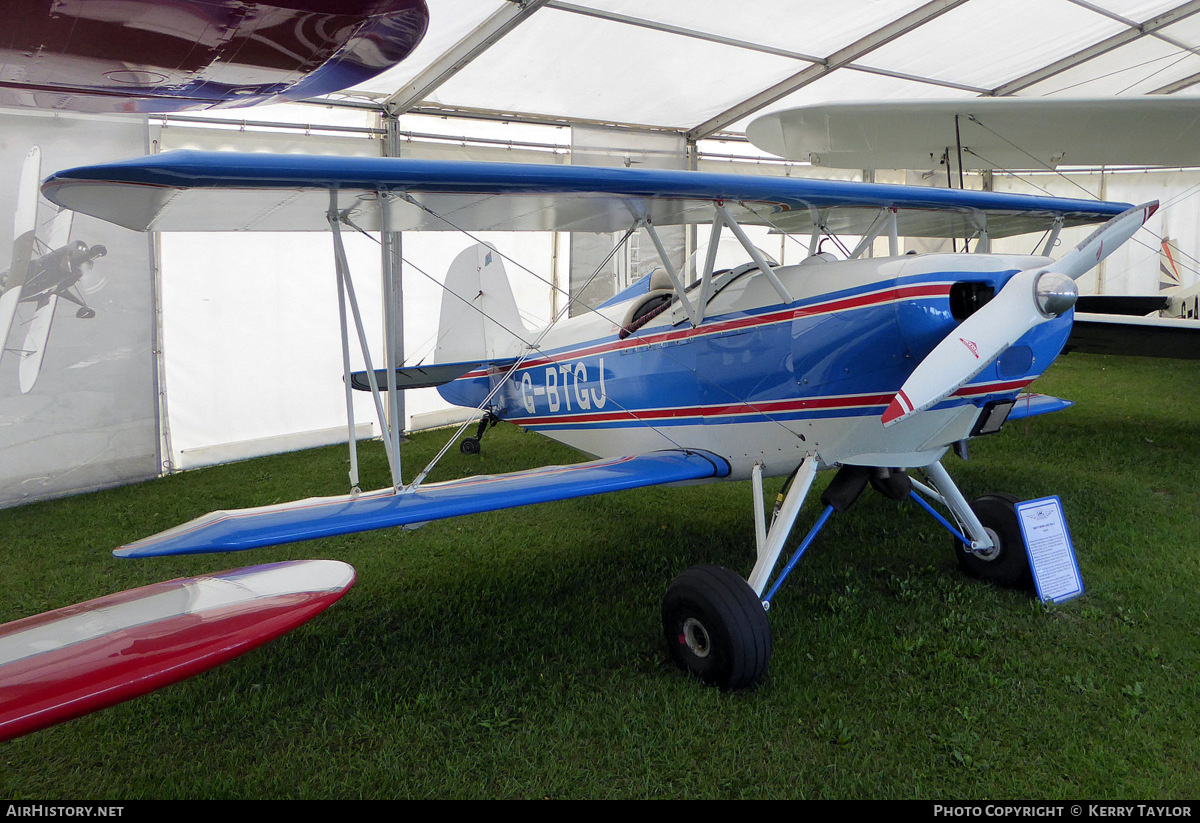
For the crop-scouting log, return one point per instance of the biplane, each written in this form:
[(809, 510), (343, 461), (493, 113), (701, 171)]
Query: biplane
[(873, 367), (41, 273)]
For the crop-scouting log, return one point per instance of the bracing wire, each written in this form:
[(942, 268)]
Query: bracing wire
[(531, 347), (573, 300)]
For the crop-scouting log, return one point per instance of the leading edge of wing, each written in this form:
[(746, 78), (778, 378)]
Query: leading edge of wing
[(226, 191), (315, 517)]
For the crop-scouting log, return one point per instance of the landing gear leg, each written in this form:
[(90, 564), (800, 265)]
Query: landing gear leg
[(990, 547), (470, 445), (715, 623)]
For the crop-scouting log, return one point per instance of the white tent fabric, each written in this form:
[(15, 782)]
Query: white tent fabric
[(703, 66)]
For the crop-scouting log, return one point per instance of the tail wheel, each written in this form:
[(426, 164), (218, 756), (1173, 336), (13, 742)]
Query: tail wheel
[(716, 628), (1006, 563)]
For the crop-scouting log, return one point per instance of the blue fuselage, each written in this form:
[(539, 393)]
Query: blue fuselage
[(759, 378)]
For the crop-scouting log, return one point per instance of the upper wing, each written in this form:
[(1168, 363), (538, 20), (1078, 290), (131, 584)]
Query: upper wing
[(24, 234), (60, 229), (328, 516), (994, 132), (222, 191)]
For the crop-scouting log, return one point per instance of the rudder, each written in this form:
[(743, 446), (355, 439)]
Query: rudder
[(479, 319)]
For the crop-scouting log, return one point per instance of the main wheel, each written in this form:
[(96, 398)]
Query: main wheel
[(469, 445), (716, 627), (1006, 563)]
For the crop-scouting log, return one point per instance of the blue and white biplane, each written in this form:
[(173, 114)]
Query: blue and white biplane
[(873, 367)]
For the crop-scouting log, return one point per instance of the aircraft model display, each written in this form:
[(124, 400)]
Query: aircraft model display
[(149, 56), (40, 274), (873, 367)]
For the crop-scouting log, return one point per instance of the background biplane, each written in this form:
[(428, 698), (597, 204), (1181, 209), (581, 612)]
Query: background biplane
[(41, 272), (874, 366)]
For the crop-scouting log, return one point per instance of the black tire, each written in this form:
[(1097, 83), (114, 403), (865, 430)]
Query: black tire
[(1007, 564), (716, 628), (469, 445), (85, 313)]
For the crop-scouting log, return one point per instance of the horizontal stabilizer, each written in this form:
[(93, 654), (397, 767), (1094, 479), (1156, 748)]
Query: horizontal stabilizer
[(328, 516), (413, 377), (1031, 404)]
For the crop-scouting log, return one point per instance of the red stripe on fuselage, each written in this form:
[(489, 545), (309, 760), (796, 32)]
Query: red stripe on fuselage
[(763, 408)]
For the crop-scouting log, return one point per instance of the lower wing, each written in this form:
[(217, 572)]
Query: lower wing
[(328, 516), (35, 343)]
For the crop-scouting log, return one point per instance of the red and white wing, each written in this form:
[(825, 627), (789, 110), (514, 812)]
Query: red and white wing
[(66, 663)]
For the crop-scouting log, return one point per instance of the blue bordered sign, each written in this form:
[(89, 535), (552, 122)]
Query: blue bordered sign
[(1051, 554)]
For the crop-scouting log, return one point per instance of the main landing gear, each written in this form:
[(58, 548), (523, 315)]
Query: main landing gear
[(715, 623)]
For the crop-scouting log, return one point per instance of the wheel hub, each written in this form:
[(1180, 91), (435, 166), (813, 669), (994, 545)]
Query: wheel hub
[(695, 637), (994, 551)]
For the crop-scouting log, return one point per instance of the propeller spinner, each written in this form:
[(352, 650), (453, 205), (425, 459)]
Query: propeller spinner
[(1030, 298)]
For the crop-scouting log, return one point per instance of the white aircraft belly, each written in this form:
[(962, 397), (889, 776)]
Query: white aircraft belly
[(780, 446)]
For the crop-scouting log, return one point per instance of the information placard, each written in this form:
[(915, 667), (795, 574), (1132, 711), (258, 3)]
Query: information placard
[(1051, 555)]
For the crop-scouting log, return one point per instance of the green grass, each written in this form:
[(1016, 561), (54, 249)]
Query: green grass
[(518, 654)]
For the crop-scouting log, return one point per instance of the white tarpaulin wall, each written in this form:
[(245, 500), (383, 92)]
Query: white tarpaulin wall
[(87, 419), (1133, 268)]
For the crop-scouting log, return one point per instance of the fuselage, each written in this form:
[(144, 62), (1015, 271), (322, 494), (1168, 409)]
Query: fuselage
[(59, 270), (763, 381)]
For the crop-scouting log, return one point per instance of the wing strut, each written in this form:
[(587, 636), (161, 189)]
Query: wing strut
[(680, 286), (885, 221), (755, 254), (346, 292)]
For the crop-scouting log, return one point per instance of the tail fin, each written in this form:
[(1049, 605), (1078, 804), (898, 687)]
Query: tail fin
[(479, 320), (1183, 302)]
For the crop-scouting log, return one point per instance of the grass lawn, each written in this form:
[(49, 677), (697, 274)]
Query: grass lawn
[(518, 654)]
